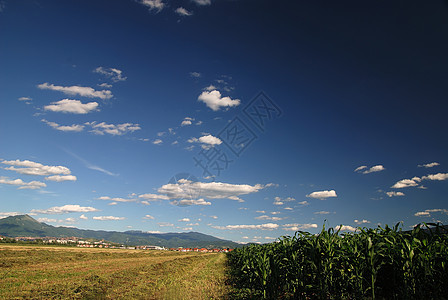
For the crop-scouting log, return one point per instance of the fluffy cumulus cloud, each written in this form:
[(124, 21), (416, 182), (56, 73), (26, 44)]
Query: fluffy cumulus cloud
[(69, 208), (207, 141), (345, 228), (296, 226), (82, 91), (215, 101), (429, 165), (28, 167), (114, 74), (280, 201), (108, 218), (153, 197), (69, 128), (33, 185), (267, 226), (112, 129), (157, 142), (322, 195), (404, 183), (366, 170), (395, 194), (186, 189), (438, 176), (183, 12), (72, 106), (60, 178), (156, 5), (427, 212)]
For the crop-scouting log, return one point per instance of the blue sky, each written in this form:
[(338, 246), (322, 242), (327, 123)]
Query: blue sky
[(297, 111)]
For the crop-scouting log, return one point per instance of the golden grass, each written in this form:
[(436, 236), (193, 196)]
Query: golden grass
[(33, 272)]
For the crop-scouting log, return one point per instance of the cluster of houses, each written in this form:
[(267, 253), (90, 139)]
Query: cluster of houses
[(205, 250), (102, 244)]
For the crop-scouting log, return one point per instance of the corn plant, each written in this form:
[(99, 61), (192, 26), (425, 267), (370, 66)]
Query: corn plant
[(379, 263)]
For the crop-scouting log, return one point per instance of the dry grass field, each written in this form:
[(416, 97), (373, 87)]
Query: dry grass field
[(39, 272)]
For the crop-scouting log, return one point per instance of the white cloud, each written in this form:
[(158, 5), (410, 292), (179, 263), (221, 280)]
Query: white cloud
[(304, 203), (83, 217), (345, 228), (118, 129), (165, 224), (296, 227), (9, 214), (360, 168), (202, 2), (195, 74), (77, 90), (266, 217), (70, 208), (212, 190), (395, 194), (60, 178), (288, 208), (33, 168), (261, 211), (114, 74), (359, 222), (267, 226), (157, 5), (427, 212), (210, 88), (404, 183), (214, 217), (191, 202), (148, 217), (207, 141), (322, 195), (322, 212), (214, 100), (183, 12), (184, 220), (105, 85), (33, 185), (72, 106), (157, 142), (27, 99), (71, 128), (187, 121), (373, 169), (108, 218), (438, 176), (430, 165), (154, 197), (116, 199)]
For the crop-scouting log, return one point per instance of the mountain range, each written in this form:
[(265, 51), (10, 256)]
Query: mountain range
[(24, 225)]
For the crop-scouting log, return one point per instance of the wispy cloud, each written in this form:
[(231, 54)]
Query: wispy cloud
[(112, 129), (112, 73), (183, 12), (69, 128), (366, 170), (69, 208), (90, 165), (430, 165), (156, 5), (77, 90), (108, 218)]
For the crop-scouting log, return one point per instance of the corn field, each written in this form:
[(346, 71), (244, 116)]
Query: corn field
[(380, 263)]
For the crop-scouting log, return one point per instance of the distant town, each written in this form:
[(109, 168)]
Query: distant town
[(79, 242)]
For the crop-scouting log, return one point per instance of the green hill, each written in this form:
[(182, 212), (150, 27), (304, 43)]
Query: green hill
[(25, 225)]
